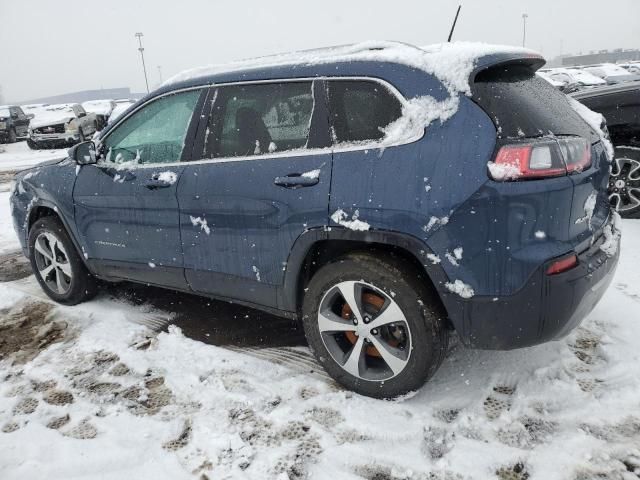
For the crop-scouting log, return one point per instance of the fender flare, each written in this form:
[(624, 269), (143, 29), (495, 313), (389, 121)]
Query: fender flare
[(288, 294), (48, 204)]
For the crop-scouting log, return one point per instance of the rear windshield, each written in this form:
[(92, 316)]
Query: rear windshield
[(523, 105)]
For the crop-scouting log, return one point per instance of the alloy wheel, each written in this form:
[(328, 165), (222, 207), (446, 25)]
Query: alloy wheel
[(52, 263), (364, 331), (624, 184)]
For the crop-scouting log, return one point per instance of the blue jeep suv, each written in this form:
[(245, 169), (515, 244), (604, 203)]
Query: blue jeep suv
[(385, 195)]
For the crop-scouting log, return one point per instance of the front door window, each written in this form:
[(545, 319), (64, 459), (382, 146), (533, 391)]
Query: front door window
[(155, 133)]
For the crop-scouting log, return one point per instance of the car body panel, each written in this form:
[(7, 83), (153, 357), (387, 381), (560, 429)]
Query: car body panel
[(398, 191)]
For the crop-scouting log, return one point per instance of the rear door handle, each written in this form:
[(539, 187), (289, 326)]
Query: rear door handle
[(295, 180)]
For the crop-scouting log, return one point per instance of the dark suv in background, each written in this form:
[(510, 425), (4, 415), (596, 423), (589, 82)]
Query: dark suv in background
[(620, 106), (14, 123), (381, 201)]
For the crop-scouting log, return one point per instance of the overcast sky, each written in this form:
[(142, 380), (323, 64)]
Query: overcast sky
[(54, 47)]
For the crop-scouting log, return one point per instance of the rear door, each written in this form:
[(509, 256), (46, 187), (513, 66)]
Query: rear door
[(21, 122), (126, 206), (261, 179)]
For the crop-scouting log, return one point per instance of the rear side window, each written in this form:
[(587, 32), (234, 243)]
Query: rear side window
[(521, 104), (360, 110), (260, 119)]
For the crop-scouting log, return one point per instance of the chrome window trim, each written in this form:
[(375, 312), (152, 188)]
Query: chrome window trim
[(373, 145)]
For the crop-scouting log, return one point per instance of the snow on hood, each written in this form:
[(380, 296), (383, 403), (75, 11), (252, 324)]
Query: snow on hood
[(52, 116), (451, 63)]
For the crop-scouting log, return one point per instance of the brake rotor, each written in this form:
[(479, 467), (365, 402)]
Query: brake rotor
[(372, 304)]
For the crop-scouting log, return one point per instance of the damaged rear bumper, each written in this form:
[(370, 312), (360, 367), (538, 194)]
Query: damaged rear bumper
[(547, 308)]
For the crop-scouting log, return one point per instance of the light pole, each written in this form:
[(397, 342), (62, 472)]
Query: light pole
[(524, 28), (144, 67)]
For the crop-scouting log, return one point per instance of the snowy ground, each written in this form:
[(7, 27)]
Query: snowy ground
[(18, 156), (176, 387)]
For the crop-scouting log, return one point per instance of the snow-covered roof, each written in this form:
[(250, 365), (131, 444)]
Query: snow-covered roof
[(451, 63), (101, 107)]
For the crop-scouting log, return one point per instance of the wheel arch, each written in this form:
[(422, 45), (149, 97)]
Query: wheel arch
[(43, 208), (316, 247)]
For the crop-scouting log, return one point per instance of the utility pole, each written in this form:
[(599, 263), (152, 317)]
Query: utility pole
[(160, 73), (144, 67), (524, 28)]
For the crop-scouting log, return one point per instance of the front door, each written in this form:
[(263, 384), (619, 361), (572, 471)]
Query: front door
[(126, 206), (261, 180)]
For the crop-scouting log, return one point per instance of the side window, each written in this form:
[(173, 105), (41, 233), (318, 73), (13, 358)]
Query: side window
[(79, 110), (360, 110), (155, 133), (259, 119), (21, 114)]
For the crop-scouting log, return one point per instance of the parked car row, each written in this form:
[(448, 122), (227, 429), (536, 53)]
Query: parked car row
[(572, 79), (14, 123), (58, 126)]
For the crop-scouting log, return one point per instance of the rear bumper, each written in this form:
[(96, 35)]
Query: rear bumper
[(546, 308)]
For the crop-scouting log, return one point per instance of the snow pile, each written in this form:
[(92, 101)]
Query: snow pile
[(502, 171), (435, 221), (340, 217), (312, 174), (455, 257), (595, 121), (434, 259), (589, 208), (167, 177), (202, 222), (256, 271), (417, 114), (612, 232), (460, 288)]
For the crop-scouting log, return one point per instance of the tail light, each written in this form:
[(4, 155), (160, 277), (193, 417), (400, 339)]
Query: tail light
[(541, 159)]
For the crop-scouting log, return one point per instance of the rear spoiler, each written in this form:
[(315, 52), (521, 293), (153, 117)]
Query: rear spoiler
[(531, 60)]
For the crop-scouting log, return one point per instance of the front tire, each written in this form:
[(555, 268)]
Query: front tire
[(32, 145), (624, 182), (57, 265), (374, 326)]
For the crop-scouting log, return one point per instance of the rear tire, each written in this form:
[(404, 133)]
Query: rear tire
[(624, 183), (32, 145), (410, 323), (57, 265), (12, 136)]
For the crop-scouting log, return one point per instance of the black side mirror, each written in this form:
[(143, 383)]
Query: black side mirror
[(84, 153), (82, 114)]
